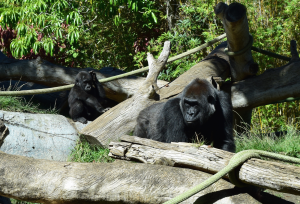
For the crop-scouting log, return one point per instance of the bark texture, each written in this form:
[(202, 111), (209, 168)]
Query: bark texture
[(273, 85), (265, 174), (53, 182), (235, 23)]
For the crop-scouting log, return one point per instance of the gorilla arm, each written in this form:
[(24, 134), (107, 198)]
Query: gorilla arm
[(87, 99), (224, 132)]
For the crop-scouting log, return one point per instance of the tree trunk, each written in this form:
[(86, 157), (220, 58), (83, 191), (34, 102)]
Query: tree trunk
[(265, 174), (53, 182), (235, 23)]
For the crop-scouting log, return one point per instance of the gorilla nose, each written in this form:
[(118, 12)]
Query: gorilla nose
[(190, 117), (191, 113)]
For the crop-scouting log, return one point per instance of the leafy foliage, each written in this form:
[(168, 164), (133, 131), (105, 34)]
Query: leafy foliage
[(74, 33), (196, 25)]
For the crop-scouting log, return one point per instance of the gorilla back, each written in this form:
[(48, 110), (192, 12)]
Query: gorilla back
[(200, 111)]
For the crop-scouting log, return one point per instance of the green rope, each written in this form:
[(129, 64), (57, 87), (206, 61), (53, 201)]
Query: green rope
[(272, 54), (247, 47), (68, 87), (217, 39), (237, 160)]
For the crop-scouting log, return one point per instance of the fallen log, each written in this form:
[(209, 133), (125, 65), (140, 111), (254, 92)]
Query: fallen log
[(53, 182), (265, 174), (45, 73)]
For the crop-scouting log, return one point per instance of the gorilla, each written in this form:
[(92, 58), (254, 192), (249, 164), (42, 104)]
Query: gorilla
[(199, 111), (87, 99)]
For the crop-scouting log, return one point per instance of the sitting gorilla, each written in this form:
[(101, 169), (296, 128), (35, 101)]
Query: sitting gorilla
[(87, 98), (201, 110)]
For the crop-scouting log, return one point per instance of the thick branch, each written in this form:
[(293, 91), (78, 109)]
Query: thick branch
[(265, 174), (215, 64), (273, 85), (156, 66), (235, 22)]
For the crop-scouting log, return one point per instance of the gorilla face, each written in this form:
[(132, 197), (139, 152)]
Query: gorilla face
[(85, 81), (198, 103), (190, 109)]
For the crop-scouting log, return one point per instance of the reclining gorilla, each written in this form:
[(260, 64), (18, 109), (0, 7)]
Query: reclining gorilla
[(201, 110), (87, 99)]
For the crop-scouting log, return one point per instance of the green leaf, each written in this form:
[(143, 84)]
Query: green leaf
[(154, 17), (75, 54)]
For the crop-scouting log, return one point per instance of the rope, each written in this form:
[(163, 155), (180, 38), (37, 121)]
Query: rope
[(68, 87), (237, 160), (247, 47), (187, 53)]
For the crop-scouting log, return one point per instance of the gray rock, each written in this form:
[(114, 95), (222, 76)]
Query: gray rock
[(41, 136)]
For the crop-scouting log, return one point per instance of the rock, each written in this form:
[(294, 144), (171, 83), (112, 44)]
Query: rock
[(41, 136)]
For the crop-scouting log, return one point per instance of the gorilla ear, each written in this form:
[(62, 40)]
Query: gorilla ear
[(213, 82), (77, 82), (211, 100)]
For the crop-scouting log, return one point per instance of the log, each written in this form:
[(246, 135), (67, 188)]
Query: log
[(43, 72), (265, 174), (216, 64), (273, 85), (53, 182), (239, 41), (235, 23)]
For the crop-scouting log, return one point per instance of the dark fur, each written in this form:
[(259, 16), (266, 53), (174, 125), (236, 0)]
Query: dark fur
[(201, 109), (87, 99)]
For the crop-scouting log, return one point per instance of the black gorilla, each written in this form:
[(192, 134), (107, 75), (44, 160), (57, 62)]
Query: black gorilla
[(201, 110), (87, 99)]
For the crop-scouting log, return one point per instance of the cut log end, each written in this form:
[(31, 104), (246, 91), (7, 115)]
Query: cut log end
[(235, 12), (220, 9)]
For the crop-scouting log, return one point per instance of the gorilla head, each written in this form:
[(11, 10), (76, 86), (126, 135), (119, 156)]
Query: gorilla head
[(85, 81), (198, 102)]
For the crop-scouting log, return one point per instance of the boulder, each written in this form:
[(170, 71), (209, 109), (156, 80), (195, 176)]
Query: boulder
[(40, 136)]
